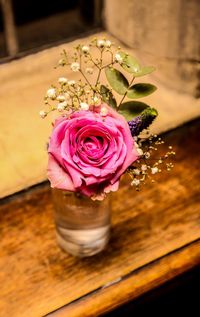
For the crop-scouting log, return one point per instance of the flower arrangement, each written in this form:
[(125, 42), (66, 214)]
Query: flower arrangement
[(102, 129)]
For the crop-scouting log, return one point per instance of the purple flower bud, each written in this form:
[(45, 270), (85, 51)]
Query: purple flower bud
[(142, 121)]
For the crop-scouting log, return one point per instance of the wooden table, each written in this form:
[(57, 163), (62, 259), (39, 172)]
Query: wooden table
[(155, 237)]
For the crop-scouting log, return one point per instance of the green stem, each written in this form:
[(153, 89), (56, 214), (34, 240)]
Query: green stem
[(95, 64), (86, 79), (112, 61), (82, 73), (126, 91), (100, 69), (107, 65)]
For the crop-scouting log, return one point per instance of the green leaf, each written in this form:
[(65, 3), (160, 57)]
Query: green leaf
[(140, 90), (130, 63), (132, 109), (147, 117), (144, 71), (108, 97), (149, 114), (117, 80)]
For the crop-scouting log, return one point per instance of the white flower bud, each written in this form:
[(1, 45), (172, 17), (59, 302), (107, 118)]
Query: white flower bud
[(154, 170), (62, 80), (42, 114), (85, 49), (147, 155), (135, 182), (84, 106), (51, 93), (89, 70), (136, 171), (118, 58), (75, 67), (61, 62), (61, 106), (140, 152), (144, 167), (61, 98), (103, 111), (101, 43), (71, 82), (108, 43)]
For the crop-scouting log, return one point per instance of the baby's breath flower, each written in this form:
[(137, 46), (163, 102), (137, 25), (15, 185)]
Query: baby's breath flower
[(75, 67), (118, 58), (101, 43), (51, 93), (60, 98), (136, 171), (108, 43), (71, 82), (154, 170), (153, 166), (62, 80), (103, 111), (135, 182), (61, 62), (144, 167), (140, 152), (147, 155), (61, 106), (84, 106), (42, 114), (89, 70), (85, 49)]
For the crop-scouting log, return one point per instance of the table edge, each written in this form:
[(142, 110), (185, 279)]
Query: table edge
[(134, 284)]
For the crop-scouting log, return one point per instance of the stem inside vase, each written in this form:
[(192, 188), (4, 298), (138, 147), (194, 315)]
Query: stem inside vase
[(82, 225)]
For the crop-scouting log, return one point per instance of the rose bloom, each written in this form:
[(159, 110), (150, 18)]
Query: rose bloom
[(88, 153)]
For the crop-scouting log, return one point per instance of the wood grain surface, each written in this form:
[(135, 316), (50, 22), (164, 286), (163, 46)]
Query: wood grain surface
[(155, 236)]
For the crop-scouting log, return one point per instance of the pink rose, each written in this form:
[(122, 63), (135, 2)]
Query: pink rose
[(88, 153)]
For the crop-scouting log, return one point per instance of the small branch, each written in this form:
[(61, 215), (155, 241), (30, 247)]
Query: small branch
[(107, 65), (100, 69), (80, 70), (91, 59), (82, 73)]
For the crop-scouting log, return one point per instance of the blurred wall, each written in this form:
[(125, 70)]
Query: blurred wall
[(164, 33)]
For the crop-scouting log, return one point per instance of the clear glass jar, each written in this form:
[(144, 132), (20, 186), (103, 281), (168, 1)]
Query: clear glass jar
[(82, 225)]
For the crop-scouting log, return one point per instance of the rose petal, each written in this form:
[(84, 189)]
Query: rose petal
[(57, 176)]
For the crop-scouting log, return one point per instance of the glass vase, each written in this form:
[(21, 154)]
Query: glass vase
[(82, 225)]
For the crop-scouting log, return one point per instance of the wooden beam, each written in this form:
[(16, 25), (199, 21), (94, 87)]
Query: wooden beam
[(9, 27)]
